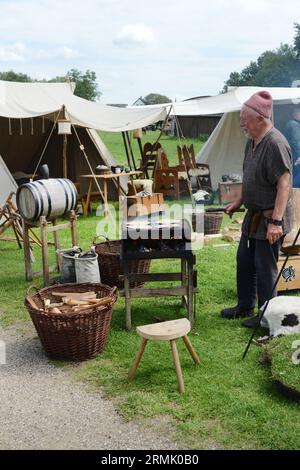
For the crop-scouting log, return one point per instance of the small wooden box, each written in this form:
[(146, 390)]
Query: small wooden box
[(144, 205), (290, 278), (229, 192)]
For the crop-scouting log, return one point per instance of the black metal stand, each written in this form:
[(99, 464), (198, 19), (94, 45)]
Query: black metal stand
[(273, 290)]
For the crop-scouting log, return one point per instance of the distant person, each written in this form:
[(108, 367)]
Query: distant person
[(292, 133)]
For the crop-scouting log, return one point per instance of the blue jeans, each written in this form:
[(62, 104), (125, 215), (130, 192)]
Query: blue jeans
[(256, 271)]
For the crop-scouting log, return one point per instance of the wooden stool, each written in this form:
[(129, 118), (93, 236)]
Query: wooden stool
[(166, 331)]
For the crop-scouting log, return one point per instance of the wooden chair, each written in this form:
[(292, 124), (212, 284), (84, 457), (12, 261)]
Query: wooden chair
[(170, 181), (199, 171), (149, 158), (166, 331)]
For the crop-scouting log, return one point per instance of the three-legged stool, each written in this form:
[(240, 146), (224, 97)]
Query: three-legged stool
[(166, 331)]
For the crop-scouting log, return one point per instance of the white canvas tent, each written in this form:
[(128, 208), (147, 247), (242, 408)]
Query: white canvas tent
[(7, 183), (224, 150), (27, 114)]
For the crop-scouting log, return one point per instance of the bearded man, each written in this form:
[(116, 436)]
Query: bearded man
[(266, 193)]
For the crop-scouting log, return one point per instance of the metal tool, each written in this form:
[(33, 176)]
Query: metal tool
[(288, 254)]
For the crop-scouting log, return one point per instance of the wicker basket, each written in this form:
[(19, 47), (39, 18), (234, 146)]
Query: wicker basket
[(212, 222), (109, 259), (72, 336)]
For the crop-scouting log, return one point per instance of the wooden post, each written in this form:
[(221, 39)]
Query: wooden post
[(44, 239), (105, 196), (73, 223), (137, 359), (190, 289), (27, 258), (183, 281), (177, 366), (56, 244), (127, 296), (65, 162)]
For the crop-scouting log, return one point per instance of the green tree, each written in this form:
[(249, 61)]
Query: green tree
[(297, 39), (272, 68), (12, 76), (86, 83), (156, 98)]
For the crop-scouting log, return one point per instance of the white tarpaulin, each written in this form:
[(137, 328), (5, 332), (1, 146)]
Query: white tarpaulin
[(228, 102), (7, 183), (28, 100)]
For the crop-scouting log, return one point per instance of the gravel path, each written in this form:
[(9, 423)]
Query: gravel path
[(41, 407)]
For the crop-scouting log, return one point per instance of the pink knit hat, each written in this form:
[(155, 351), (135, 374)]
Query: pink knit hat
[(261, 102)]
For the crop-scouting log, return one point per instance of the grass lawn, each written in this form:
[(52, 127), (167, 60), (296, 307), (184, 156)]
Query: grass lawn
[(228, 403), (114, 142)]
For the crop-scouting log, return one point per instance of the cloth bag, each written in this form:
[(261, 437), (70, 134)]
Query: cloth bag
[(87, 268), (76, 266), (67, 264)]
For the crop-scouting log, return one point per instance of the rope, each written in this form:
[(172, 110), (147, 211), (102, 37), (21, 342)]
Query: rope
[(21, 127), (45, 146), (9, 126), (81, 146), (32, 126)]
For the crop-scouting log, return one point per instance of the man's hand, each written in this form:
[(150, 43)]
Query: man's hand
[(231, 208), (274, 233)]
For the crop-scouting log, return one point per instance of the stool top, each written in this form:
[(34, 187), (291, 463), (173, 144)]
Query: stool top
[(165, 331)]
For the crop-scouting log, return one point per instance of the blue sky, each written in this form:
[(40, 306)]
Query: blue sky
[(179, 49)]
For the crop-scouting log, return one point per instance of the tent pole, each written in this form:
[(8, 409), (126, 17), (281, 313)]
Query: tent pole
[(141, 148), (131, 151), (65, 163), (126, 150)]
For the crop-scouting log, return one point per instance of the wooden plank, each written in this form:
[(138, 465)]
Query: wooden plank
[(147, 277), (55, 228), (157, 291)]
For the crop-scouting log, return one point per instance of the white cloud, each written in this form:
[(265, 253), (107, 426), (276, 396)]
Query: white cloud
[(13, 52), (53, 53), (135, 34)]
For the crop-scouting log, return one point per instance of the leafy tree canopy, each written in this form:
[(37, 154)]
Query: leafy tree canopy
[(86, 83), (279, 67), (11, 76), (156, 98)]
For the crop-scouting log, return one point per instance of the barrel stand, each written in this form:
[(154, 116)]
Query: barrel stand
[(46, 228)]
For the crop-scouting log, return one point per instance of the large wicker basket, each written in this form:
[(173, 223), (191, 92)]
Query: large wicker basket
[(109, 259), (73, 336), (212, 222)]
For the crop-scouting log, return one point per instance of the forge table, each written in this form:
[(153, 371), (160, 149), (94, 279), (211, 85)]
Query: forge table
[(155, 247)]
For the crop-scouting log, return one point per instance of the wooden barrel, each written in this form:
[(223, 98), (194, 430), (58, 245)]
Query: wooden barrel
[(51, 198)]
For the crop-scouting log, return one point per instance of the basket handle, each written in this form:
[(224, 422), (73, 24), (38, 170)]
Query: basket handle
[(100, 236), (31, 302), (114, 291), (37, 291)]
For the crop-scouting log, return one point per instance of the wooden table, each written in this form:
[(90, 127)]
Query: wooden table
[(105, 178), (187, 275)]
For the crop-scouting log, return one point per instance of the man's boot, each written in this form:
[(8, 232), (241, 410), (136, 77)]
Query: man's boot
[(251, 322), (236, 312)]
